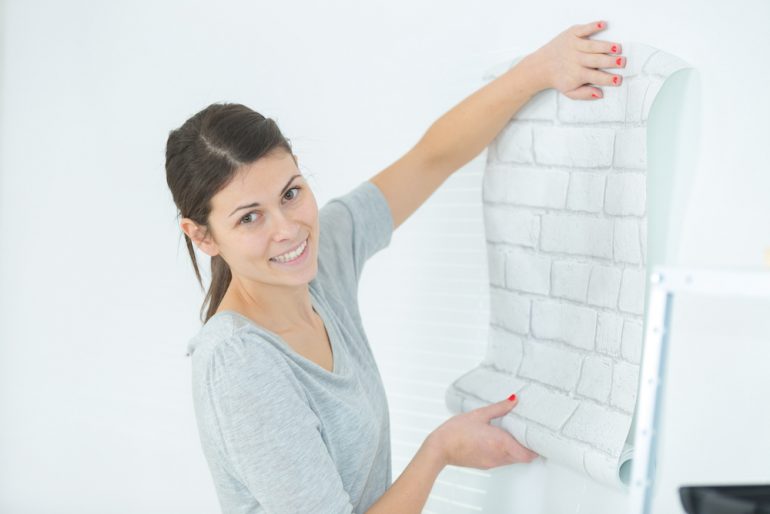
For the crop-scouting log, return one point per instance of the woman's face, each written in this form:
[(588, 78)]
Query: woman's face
[(264, 223)]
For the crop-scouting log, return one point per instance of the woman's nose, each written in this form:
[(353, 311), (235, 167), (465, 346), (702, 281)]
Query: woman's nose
[(284, 227)]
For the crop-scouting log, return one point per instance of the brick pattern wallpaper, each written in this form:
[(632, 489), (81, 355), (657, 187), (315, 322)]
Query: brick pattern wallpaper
[(565, 218)]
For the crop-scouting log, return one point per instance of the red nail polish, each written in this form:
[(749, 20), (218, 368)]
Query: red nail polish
[(594, 95), (615, 79), (512, 398), (599, 25), (620, 59), (614, 48)]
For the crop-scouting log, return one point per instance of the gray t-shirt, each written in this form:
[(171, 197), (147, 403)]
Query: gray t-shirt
[(280, 433)]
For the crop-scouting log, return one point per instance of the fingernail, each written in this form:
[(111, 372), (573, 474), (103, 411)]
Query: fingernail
[(619, 60), (594, 95), (599, 25), (615, 79), (512, 398), (614, 48)]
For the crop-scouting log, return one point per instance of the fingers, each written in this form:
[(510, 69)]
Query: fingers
[(593, 78), (599, 47), (496, 410), (514, 449), (589, 28), (602, 78), (602, 61), (595, 55), (594, 46), (585, 93), (520, 453)]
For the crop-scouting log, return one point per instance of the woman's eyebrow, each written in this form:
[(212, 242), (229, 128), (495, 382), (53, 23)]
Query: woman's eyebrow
[(256, 204)]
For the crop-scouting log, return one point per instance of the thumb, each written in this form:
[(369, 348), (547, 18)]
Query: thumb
[(585, 92), (496, 410)]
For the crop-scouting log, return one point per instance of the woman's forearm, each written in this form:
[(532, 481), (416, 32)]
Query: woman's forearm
[(408, 494), (464, 131)]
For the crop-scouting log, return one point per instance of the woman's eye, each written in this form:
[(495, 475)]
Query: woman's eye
[(249, 218), (296, 188)]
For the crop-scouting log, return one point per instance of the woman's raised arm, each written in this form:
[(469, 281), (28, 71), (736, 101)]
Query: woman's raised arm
[(568, 63)]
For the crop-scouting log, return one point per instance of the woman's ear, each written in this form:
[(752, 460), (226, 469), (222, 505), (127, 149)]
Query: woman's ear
[(199, 236)]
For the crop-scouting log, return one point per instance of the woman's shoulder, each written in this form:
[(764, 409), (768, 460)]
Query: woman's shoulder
[(231, 355), (364, 202), (220, 327), (229, 339)]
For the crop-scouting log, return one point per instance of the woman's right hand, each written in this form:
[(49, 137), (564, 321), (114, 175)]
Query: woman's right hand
[(468, 440)]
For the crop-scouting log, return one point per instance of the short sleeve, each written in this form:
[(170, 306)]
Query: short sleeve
[(255, 418), (354, 227)]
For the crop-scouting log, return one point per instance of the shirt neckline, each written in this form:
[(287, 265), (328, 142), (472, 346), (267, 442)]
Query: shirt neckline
[(328, 326)]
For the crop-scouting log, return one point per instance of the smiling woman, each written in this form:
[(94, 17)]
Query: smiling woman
[(282, 359), (264, 214), (290, 406), (203, 157)]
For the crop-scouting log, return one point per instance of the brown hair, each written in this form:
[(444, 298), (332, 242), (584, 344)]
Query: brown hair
[(202, 156)]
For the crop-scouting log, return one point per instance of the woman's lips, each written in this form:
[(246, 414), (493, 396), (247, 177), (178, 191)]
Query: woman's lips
[(297, 258)]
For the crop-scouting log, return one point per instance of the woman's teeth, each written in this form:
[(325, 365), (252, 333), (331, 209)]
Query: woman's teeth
[(290, 256)]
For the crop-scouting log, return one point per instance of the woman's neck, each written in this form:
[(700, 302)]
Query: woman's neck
[(279, 309)]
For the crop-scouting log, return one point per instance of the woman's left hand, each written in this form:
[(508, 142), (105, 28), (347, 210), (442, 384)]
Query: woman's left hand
[(570, 62)]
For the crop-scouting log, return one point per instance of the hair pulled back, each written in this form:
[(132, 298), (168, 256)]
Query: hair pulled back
[(202, 156)]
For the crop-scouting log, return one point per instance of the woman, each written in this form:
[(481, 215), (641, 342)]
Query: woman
[(290, 406)]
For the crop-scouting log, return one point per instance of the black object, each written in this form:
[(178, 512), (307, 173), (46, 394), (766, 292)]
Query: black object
[(723, 499)]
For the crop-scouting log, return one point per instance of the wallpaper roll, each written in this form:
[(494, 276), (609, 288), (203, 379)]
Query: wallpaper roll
[(565, 215)]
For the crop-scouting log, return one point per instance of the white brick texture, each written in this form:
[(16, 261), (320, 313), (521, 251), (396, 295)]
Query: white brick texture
[(609, 331), (610, 109), (515, 145), (571, 324), (632, 291), (561, 406), (624, 384), (631, 345), (529, 272), (574, 146), (553, 364), (625, 194), (586, 192), (504, 350), (569, 279), (604, 286), (490, 385), (596, 379), (565, 212), (543, 442), (496, 262), (631, 148), (599, 426), (512, 226), (542, 106), (509, 310), (527, 186), (627, 245), (577, 234)]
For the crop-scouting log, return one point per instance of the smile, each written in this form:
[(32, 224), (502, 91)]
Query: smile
[(292, 256)]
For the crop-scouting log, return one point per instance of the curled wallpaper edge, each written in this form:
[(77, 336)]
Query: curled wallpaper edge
[(580, 456), (576, 429)]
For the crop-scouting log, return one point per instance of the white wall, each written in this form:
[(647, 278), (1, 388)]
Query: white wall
[(97, 297)]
